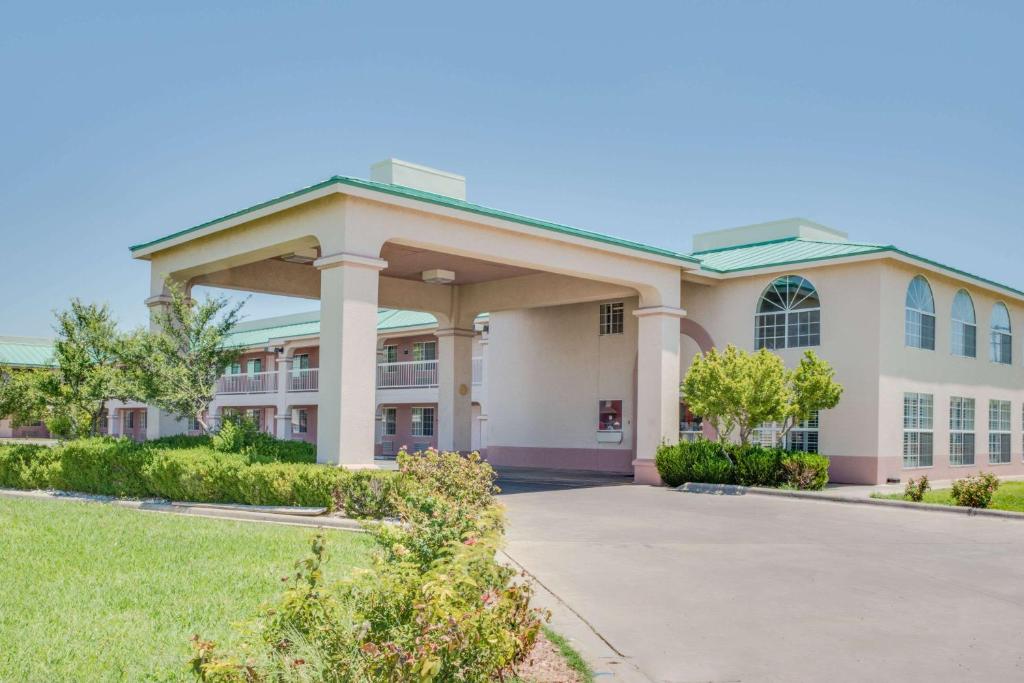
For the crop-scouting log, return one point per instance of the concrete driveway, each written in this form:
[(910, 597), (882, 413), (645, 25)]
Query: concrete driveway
[(694, 587)]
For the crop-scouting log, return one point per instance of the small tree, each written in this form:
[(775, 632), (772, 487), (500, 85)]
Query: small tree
[(176, 367), (70, 398), (738, 390), (813, 388)]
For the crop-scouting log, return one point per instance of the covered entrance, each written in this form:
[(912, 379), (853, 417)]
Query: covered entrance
[(407, 239)]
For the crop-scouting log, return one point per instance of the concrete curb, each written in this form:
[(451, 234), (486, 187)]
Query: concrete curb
[(242, 513), (736, 490), (607, 662)]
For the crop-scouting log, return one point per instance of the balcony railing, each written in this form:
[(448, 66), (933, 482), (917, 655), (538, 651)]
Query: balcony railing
[(305, 379), (417, 373), (405, 375), (254, 383)]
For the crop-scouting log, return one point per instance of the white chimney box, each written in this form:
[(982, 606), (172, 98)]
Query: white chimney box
[(398, 172)]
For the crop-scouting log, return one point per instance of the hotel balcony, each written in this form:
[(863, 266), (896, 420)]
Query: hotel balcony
[(410, 377)]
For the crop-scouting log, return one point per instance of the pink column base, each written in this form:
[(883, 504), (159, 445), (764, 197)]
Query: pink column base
[(645, 472)]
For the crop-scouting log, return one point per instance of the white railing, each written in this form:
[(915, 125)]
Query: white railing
[(254, 383), (417, 373), (478, 370), (304, 379)]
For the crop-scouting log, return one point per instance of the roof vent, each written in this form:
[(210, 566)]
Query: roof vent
[(787, 228), (398, 172)]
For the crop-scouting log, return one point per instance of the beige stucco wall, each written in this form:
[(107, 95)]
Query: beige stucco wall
[(849, 341), (547, 370), (944, 375)]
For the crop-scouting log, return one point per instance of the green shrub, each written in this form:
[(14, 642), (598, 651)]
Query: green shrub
[(106, 466), (27, 466), (120, 467), (757, 466), (235, 433), (975, 491), (697, 461), (448, 613), (805, 471), (915, 490), (181, 441), (368, 495)]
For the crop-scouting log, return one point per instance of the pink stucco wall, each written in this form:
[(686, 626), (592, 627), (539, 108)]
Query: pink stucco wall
[(404, 436)]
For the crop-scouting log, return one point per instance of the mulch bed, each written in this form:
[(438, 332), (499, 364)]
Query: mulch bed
[(546, 665)]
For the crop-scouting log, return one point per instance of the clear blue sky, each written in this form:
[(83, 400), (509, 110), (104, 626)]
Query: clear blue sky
[(897, 122)]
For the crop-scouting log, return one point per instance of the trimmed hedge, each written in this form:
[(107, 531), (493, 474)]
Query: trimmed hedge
[(711, 462), (188, 469)]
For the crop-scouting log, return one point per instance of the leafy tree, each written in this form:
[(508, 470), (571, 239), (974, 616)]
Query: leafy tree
[(736, 390), (70, 398), (813, 388), (176, 366)]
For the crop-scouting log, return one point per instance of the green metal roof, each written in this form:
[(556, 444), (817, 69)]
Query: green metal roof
[(779, 252), (259, 332), (27, 352), (797, 250), (439, 200)]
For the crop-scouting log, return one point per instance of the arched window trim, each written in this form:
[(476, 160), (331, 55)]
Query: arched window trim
[(964, 332), (1000, 341), (793, 325), (919, 323)]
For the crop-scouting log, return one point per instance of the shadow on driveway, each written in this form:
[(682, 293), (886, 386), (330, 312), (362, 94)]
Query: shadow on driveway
[(513, 480)]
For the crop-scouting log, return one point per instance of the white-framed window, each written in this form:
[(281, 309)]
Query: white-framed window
[(423, 421), (611, 318), (964, 327), (389, 421), (918, 438), (1001, 335), (423, 350), (300, 362), (254, 365), (143, 418), (302, 421), (235, 368), (788, 315), (193, 424), (802, 437), (256, 415), (999, 436), (389, 354), (961, 430), (129, 419), (691, 427), (919, 327)]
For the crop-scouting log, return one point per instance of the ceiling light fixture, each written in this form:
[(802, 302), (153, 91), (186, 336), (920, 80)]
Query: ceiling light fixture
[(437, 276)]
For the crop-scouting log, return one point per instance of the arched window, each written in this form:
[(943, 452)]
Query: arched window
[(788, 315), (964, 336), (1002, 335), (919, 329)]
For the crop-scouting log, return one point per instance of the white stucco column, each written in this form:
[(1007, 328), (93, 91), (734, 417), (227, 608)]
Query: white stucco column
[(282, 411), (657, 387), (283, 424), (111, 420), (454, 389), (159, 423), (348, 342)]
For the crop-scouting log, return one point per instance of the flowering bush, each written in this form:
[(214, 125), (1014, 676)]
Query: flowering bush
[(975, 491), (436, 605), (915, 490)]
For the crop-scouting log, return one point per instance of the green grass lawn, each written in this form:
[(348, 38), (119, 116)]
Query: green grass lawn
[(1009, 496), (90, 592)]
